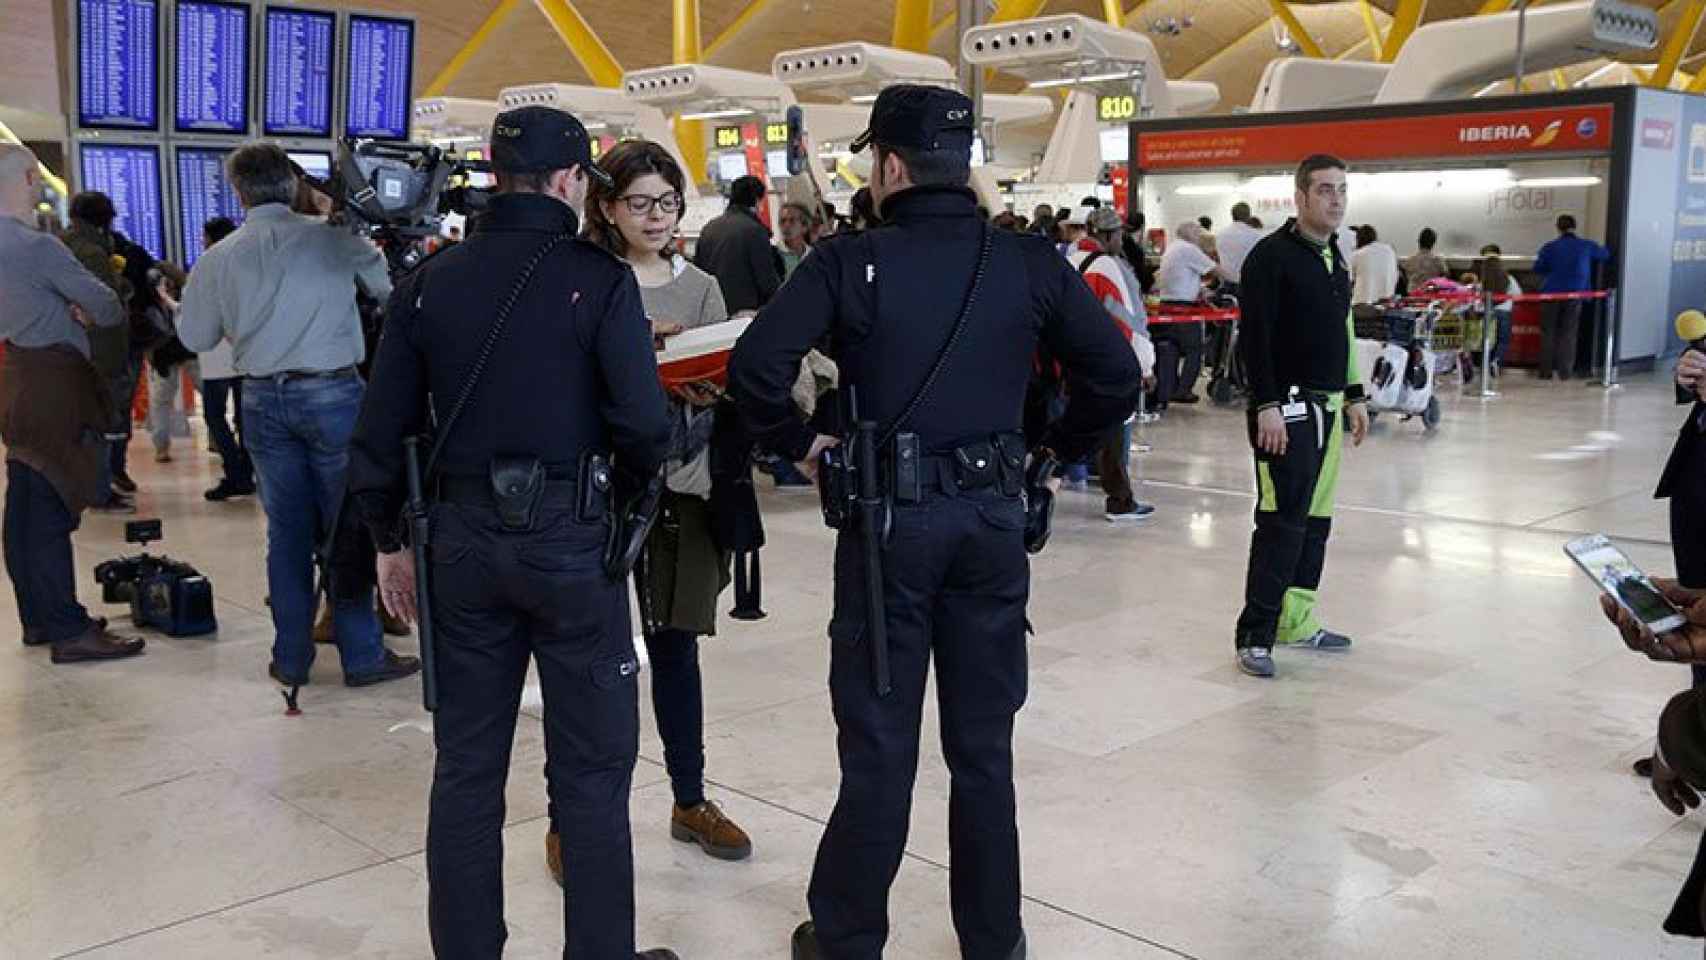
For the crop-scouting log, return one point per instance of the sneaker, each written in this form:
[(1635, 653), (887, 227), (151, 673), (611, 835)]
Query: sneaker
[(122, 482), (1325, 640), (1256, 661), (117, 504), (1132, 514), (707, 826)]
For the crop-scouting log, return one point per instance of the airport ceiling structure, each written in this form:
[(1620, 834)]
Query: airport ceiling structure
[(1228, 42)]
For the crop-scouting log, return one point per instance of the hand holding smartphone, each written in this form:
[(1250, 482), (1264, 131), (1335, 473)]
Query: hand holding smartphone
[(1622, 581)]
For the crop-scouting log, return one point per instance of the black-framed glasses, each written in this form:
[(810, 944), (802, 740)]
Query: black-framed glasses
[(640, 204)]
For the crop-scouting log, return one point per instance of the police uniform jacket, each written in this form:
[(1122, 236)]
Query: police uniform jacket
[(887, 299), (574, 371)]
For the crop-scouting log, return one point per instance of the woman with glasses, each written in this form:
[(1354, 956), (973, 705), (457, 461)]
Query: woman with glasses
[(636, 219)]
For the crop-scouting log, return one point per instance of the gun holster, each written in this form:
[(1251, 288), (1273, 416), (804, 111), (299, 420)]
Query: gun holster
[(1039, 500), (630, 526), (518, 486)]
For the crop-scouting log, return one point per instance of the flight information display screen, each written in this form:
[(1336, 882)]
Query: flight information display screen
[(381, 66), (315, 163), (203, 193), (296, 95), (130, 175), (118, 64), (212, 67)]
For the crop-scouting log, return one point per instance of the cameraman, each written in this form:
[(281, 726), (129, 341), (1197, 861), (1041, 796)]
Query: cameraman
[(53, 410), (282, 289)]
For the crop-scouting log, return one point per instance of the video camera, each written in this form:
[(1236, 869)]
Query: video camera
[(169, 595), (398, 193)]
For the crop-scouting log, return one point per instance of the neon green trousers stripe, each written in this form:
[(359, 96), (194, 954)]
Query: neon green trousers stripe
[(1297, 614)]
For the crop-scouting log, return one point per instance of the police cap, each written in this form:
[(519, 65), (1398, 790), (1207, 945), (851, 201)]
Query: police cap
[(918, 117), (536, 139)]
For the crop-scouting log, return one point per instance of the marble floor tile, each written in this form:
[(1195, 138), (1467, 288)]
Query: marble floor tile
[(1456, 787)]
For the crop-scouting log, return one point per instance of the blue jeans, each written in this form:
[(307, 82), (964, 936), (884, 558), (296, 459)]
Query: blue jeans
[(214, 394), (298, 434)]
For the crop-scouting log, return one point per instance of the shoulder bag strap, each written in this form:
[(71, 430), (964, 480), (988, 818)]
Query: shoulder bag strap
[(494, 333)]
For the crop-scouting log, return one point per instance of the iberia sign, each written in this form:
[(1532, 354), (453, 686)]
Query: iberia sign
[(1582, 129)]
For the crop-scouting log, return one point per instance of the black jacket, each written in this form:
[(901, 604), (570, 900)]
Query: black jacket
[(1296, 326), (735, 248), (574, 371), (887, 300)]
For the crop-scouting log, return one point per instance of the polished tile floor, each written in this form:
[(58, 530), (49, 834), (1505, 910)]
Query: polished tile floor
[(1455, 788)]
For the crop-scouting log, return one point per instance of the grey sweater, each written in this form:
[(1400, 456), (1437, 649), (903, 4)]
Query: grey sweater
[(692, 299)]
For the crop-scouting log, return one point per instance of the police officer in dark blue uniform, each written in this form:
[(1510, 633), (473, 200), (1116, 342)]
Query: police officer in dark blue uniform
[(954, 573), (525, 418)]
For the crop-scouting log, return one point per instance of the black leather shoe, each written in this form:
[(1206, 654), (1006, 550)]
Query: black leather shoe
[(277, 675), (225, 491), (658, 954), (122, 482), (805, 942), (396, 667)]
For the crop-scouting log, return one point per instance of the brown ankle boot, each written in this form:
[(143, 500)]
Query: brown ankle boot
[(554, 855), (714, 832), (323, 626), (96, 643)]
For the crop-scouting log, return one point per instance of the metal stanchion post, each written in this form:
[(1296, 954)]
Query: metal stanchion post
[(1488, 320), (1608, 370)]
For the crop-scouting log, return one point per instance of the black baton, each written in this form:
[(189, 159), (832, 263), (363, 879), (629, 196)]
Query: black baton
[(420, 533), (871, 534)]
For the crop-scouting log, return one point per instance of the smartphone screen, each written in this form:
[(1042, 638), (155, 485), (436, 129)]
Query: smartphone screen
[(1618, 576)]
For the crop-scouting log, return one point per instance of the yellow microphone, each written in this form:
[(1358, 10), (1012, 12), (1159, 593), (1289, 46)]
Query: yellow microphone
[(1691, 326)]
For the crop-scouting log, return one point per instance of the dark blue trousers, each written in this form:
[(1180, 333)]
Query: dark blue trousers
[(500, 598), (37, 535), (956, 580)]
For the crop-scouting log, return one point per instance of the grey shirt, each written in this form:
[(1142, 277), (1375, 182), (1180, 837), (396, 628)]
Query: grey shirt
[(282, 290), (39, 281), (691, 299)]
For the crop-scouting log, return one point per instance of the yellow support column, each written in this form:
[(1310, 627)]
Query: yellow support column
[(1698, 84), (912, 25), (593, 56), (1494, 6), (1677, 46), (689, 134), (440, 83), (1112, 13), (1293, 26), (1369, 24), (1009, 10), (1405, 19)]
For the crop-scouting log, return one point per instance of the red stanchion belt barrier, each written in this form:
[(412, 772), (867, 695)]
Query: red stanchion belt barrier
[(1175, 314)]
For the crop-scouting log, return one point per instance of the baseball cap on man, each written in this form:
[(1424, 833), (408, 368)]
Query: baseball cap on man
[(536, 139), (1102, 220), (915, 116)]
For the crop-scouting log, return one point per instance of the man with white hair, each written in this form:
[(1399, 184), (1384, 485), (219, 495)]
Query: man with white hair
[(1179, 346), (53, 412)]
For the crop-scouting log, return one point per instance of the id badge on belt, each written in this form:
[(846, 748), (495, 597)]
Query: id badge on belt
[(1295, 411)]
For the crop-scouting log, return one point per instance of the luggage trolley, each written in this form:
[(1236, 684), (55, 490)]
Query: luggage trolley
[(1419, 336)]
